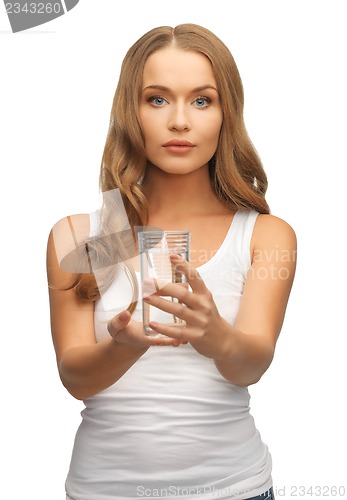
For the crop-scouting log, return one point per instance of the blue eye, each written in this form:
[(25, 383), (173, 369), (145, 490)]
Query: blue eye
[(157, 100), (202, 102)]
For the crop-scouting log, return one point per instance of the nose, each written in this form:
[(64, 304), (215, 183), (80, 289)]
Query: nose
[(179, 118)]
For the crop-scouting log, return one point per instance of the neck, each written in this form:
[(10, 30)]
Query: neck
[(179, 195)]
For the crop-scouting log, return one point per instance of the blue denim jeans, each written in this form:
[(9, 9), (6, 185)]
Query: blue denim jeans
[(267, 495)]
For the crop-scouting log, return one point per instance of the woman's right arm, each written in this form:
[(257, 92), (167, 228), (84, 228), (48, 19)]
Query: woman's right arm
[(85, 366)]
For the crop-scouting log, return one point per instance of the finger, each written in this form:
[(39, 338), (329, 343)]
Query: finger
[(183, 334), (193, 277), (173, 307), (152, 341), (176, 291), (151, 287), (118, 322)]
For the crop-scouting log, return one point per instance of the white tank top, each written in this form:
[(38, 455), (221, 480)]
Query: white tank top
[(172, 426)]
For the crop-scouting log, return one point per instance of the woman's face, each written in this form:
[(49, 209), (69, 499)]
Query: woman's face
[(180, 111)]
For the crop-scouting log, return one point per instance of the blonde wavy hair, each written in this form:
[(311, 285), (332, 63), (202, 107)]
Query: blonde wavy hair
[(236, 171)]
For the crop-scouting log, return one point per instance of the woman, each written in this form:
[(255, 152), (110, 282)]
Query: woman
[(162, 422)]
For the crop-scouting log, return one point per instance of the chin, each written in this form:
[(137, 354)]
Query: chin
[(178, 170)]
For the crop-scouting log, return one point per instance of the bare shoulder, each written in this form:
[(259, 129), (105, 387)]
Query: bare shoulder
[(271, 227), (271, 232), (68, 232), (64, 239), (76, 223)]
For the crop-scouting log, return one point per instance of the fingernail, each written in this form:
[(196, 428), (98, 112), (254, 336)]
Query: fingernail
[(175, 257), (123, 316)]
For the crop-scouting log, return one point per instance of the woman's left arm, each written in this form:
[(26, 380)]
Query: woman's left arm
[(242, 352), (265, 296)]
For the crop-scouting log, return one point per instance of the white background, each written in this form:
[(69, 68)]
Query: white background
[(56, 89)]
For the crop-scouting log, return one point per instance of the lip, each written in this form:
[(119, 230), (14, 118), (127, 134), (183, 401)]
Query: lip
[(179, 146), (179, 143)]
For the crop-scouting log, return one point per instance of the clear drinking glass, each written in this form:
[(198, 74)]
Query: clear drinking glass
[(155, 248)]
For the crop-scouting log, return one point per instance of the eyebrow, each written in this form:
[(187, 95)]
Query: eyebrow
[(193, 91)]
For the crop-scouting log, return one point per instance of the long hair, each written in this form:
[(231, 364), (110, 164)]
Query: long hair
[(236, 172)]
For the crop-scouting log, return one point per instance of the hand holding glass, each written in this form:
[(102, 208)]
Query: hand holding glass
[(155, 248)]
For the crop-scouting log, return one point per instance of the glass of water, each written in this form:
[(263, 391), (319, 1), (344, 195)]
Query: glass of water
[(155, 248)]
